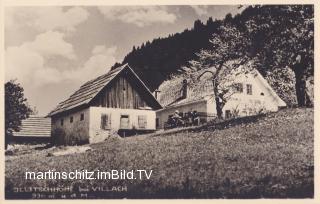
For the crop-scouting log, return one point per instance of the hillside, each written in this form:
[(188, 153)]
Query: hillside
[(157, 60), (267, 156)]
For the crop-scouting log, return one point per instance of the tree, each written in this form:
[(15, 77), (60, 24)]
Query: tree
[(283, 82), (210, 21), (228, 51), (16, 109), (283, 36), (198, 25)]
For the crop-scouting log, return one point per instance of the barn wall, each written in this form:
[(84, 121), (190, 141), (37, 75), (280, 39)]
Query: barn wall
[(77, 131), (121, 93), (34, 129), (98, 134), (163, 114)]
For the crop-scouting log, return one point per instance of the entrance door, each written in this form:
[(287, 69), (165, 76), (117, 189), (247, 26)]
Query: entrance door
[(124, 122)]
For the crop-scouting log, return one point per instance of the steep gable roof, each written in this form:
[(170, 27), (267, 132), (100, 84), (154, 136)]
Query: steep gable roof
[(34, 126), (172, 97), (85, 94)]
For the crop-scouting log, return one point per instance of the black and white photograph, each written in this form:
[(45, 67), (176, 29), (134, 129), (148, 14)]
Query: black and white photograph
[(174, 101)]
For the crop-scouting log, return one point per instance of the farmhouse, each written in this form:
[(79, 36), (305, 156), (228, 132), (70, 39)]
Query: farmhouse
[(253, 95), (115, 101), (34, 129)]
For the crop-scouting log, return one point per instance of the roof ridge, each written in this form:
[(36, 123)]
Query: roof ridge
[(63, 105)]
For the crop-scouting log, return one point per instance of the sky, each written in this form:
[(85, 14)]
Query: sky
[(51, 51)]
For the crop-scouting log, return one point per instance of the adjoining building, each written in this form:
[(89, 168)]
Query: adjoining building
[(34, 129), (115, 101), (253, 95)]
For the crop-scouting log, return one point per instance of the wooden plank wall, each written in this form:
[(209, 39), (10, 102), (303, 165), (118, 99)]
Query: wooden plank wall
[(121, 94), (34, 127)]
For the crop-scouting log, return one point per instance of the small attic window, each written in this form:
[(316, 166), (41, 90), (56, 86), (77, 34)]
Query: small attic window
[(71, 119), (262, 94)]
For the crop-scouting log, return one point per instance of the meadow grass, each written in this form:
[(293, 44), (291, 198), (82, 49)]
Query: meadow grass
[(271, 157)]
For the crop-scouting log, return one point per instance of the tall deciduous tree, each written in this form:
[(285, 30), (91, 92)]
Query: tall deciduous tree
[(16, 109), (228, 51), (283, 36)]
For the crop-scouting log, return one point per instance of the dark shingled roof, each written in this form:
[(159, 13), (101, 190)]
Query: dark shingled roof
[(90, 89), (34, 126)]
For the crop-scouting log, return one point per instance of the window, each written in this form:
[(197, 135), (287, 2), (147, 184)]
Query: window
[(228, 114), (71, 119), (142, 121), (249, 89), (238, 87), (105, 122), (82, 116), (61, 122), (124, 122)]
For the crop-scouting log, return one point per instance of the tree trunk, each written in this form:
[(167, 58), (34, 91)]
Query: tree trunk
[(303, 98), (217, 100)]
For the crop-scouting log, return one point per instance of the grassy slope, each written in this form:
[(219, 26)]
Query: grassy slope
[(272, 157)]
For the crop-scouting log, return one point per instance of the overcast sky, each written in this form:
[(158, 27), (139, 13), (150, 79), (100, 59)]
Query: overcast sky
[(51, 51)]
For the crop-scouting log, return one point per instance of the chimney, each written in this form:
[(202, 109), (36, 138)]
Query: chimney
[(184, 89), (156, 93)]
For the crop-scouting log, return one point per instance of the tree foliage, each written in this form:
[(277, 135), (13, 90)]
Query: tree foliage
[(283, 36), (157, 60), (278, 37), (16, 108), (283, 82), (223, 60)]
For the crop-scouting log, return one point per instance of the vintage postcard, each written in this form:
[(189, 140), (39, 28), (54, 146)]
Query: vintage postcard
[(159, 101)]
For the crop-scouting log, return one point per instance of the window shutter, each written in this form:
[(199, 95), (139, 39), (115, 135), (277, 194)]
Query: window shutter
[(109, 121), (105, 122), (142, 121), (240, 88), (249, 89)]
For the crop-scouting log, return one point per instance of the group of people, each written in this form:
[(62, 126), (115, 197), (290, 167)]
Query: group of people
[(179, 119)]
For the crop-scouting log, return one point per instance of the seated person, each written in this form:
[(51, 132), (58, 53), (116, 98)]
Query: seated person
[(195, 118), (177, 117)]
